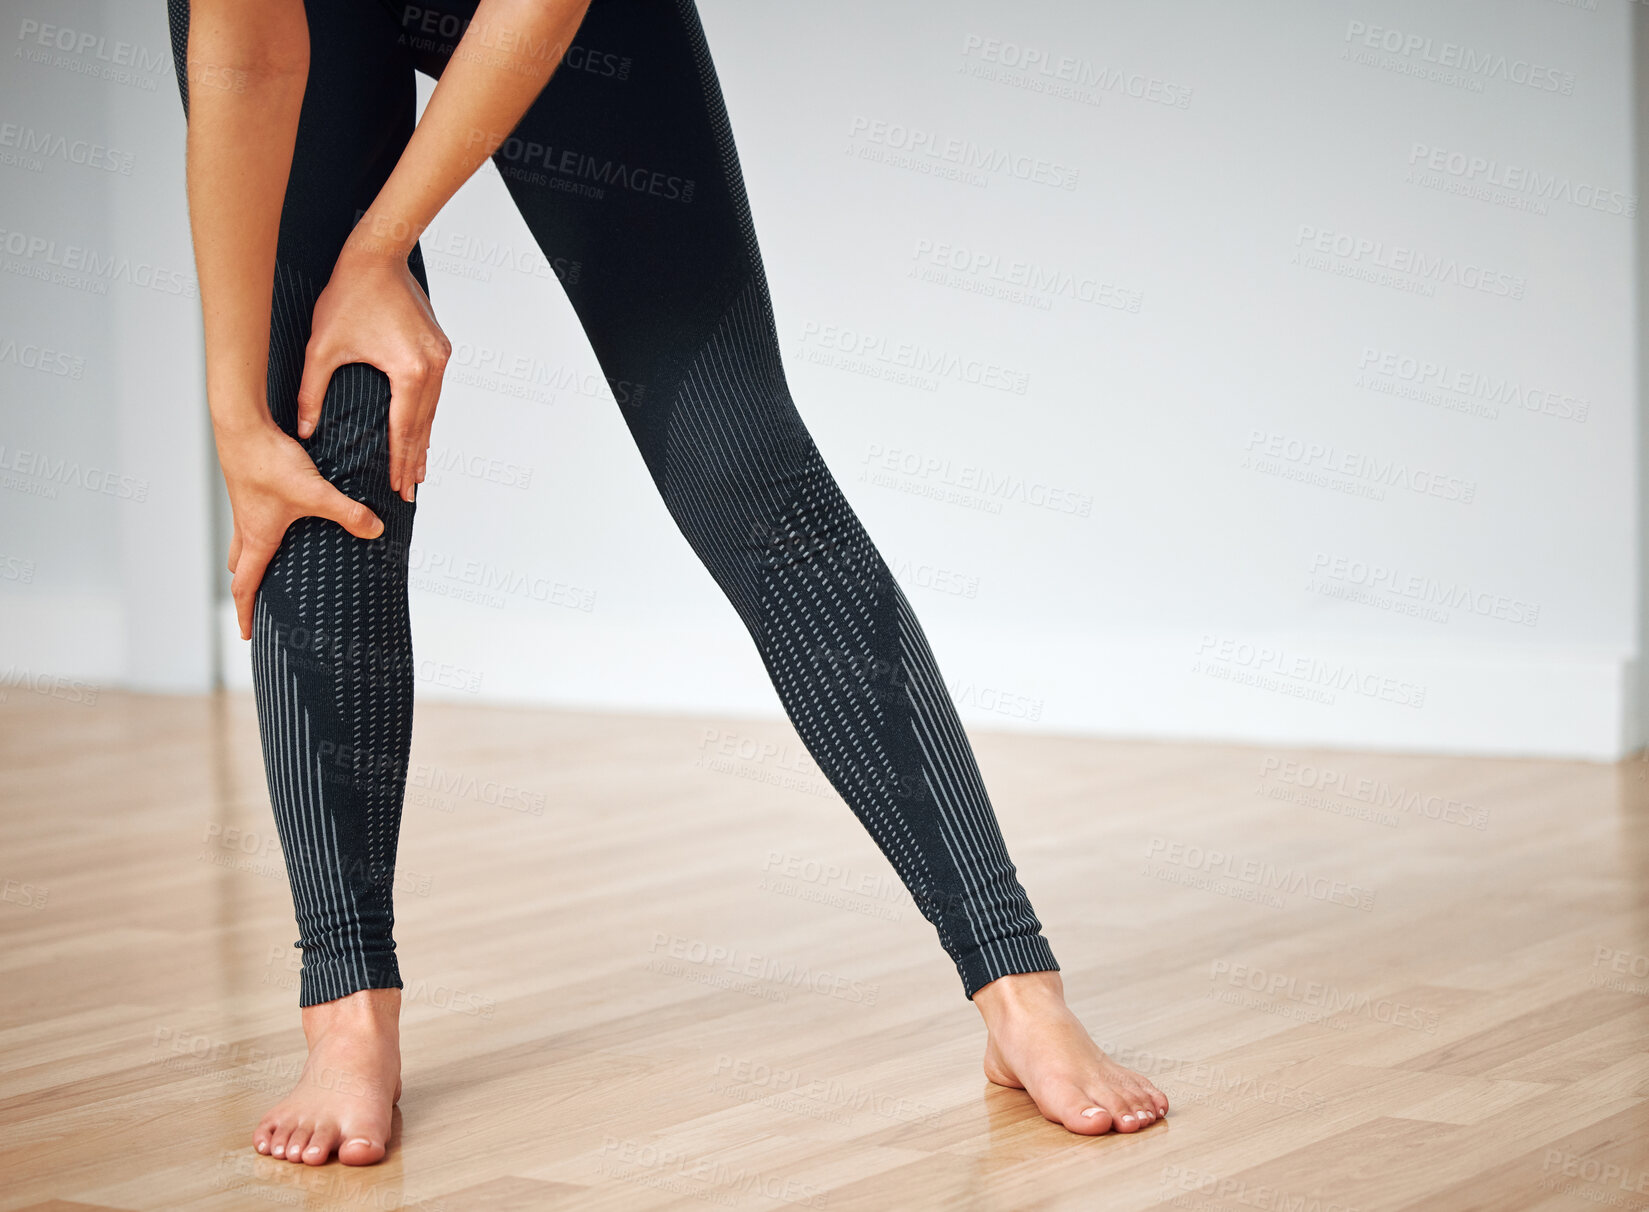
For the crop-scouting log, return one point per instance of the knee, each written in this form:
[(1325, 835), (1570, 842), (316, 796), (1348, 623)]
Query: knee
[(351, 440)]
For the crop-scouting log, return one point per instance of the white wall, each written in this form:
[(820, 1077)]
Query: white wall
[(105, 473), (1231, 409)]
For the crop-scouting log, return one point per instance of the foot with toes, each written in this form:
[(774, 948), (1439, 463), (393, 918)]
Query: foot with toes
[(1037, 1045), (345, 1097)]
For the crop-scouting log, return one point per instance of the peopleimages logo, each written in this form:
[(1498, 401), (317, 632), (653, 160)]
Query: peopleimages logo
[(1384, 800), (1325, 996), (95, 46), (1049, 281), (856, 347), (1303, 671), (1065, 75), (1266, 448), (440, 28), (31, 141), (1470, 63), (1428, 269), (1259, 872), (991, 486), (737, 962), (1499, 389), (1453, 595), (80, 266), (1519, 178), (47, 473), (963, 153), (42, 358)]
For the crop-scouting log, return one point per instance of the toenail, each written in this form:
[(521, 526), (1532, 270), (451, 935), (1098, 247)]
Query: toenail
[(279, 1149), (262, 1148), (1091, 1112), (359, 1140), (1127, 1119), (313, 1149)]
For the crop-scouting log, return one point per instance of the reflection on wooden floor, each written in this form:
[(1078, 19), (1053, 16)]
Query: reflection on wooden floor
[(656, 963)]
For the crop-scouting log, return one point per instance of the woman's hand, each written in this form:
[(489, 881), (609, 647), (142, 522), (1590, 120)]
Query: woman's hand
[(374, 311), (272, 483)]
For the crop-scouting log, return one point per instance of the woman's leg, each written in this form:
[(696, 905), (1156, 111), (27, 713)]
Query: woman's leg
[(626, 165), (635, 177), (331, 651)]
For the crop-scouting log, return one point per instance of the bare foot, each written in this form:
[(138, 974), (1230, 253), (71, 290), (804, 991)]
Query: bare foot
[(350, 1084), (1037, 1045)]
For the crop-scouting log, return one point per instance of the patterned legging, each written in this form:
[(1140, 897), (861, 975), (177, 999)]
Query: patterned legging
[(625, 168)]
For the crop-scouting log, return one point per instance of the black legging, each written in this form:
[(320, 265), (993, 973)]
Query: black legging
[(624, 165)]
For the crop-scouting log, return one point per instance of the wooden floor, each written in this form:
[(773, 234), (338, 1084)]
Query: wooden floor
[(655, 963)]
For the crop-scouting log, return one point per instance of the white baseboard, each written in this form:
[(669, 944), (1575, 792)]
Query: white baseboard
[(1238, 689)]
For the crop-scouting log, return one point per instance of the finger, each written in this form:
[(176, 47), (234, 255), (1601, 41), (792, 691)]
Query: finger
[(406, 424), (249, 570), (432, 397), (420, 454), (318, 368), (405, 391), (234, 549), (347, 512)]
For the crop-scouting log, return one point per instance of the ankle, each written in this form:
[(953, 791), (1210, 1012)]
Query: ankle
[(1018, 993), (365, 1012)]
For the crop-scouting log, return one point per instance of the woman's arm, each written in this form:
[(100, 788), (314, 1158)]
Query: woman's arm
[(247, 68), (498, 69), (248, 64)]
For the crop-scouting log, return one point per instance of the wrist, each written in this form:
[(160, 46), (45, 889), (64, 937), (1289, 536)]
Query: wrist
[(245, 418), (380, 240)]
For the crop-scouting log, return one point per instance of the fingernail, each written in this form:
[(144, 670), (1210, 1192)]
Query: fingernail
[(1091, 1112)]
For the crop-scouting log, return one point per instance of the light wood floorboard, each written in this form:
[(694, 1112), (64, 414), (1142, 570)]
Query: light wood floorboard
[(1450, 1011)]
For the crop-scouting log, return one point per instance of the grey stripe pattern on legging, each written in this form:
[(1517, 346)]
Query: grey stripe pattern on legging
[(332, 637), (998, 911), (748, 488), (309, 835)]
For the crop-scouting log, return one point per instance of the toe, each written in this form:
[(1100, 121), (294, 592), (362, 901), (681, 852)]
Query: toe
[(361, 1151), (1145, 1106), (1159, 1100), (296, 1142), (262, 1135), (1126, 1113), (321, 1143), (278, 1138), (1065, 1103), (1145, 1111), (1092, 1120)]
